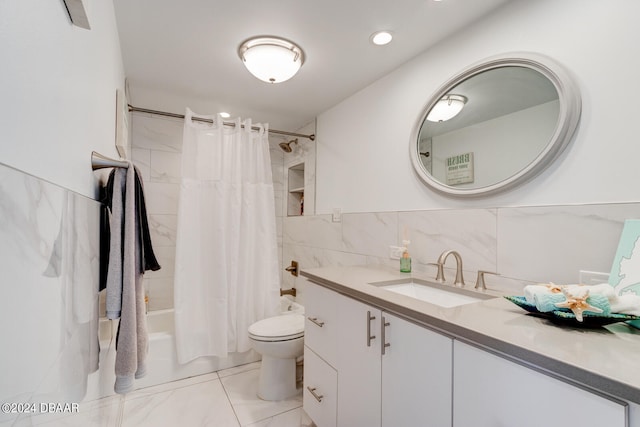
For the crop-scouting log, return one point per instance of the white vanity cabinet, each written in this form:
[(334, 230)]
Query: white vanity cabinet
[(408, 385), (358, 364), (391, 372), (416, 376), (320, 393), (320, 396), (321, 321), (489, 390)]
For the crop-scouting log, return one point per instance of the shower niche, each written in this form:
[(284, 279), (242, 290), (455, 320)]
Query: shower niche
[(295, 190)]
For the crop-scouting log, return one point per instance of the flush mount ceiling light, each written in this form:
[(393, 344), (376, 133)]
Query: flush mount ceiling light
[(271, 59), (447, 108), (381, 38)]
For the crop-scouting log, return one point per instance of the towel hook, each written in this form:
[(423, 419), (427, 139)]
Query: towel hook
[(99, 161)]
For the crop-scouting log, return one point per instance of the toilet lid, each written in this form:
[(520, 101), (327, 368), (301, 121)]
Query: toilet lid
[(278, 328)]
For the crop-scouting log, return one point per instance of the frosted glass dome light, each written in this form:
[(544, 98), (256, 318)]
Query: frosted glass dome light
[(447, 108), (271, 59)]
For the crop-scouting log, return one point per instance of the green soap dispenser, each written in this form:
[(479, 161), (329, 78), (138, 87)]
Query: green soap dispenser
[(405, 260)]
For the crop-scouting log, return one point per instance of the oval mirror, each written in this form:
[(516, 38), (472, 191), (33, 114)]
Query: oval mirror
[(496, 124)]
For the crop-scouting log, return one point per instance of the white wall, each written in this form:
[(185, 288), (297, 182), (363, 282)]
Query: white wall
[(58, 90), (501, 147), (363, 142)]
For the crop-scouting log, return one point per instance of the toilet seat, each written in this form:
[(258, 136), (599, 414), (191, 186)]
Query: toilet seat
[(279, 328)]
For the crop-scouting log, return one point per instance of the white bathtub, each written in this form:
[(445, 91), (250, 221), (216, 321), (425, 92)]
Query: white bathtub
[(162, 364), (288, 306)]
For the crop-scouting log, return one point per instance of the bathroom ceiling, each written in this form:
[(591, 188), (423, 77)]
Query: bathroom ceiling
[(181, 54)]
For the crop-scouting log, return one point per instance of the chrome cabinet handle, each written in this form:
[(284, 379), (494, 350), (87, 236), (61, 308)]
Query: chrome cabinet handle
[(383, 341), (314, 394), (316, 321), (369, 336)]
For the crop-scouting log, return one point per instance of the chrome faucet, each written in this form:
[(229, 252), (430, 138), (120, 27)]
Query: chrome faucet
[(459, 281)]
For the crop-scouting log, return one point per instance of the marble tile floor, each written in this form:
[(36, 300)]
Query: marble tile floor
[(226, 398)]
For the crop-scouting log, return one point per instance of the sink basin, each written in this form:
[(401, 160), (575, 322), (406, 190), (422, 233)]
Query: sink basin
[(434, 293)]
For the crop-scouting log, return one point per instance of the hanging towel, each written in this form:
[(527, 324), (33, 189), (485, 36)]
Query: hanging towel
[(130, 255), (110, 219), (116, 183)]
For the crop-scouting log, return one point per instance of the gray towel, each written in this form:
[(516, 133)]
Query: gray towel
[(132, 340), (114, 272)]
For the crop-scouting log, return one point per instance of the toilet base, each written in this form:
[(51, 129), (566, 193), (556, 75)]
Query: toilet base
[(277, 378)]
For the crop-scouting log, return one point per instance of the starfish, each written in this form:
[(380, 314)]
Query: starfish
[(577, 304), (553, 288)]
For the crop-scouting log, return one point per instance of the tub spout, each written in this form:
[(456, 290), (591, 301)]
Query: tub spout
[(291, 292)]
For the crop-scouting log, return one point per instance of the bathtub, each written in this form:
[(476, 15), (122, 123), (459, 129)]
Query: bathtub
[(162, 363), (288, 306)]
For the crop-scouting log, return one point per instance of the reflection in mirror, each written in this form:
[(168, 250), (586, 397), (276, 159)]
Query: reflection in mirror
[(447, 108), (516, 116)]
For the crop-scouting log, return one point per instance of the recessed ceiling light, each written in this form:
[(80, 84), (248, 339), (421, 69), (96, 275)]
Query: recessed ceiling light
[(224, 115), (381, 38)]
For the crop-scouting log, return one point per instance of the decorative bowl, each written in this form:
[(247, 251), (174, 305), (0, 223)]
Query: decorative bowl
[(589, 320)]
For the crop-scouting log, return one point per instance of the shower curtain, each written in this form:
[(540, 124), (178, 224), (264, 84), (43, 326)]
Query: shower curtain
[(227, 273)]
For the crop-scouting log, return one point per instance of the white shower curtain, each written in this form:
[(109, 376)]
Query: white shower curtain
[(227, 273)]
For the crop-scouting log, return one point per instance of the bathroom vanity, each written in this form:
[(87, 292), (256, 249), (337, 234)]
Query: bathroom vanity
[(374, 357)]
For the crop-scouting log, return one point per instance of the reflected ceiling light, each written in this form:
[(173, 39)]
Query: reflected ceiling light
[(447, 108), (271, 59), (381, 38), (224, 115)]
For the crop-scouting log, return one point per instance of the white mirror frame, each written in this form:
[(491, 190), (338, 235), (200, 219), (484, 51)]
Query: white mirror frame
[(569, 116)]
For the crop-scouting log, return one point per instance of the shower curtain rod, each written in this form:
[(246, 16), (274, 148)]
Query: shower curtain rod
[(312, 137)]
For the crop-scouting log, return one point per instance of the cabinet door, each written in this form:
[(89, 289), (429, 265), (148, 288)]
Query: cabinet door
[(321, 322), (358, 364), (416, 376), (491, 391), (320, 394)]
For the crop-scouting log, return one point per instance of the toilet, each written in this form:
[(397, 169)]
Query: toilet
[(280, 341)]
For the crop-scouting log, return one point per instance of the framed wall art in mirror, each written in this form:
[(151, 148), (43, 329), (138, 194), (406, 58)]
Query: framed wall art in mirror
[(495, 125)]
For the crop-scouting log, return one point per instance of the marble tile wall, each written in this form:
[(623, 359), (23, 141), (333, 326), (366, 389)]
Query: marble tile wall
[(156, 151), (49, 259), (522, 244)]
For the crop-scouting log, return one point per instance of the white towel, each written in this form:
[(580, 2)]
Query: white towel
[(578, 291), (604, 289), (626, 304)]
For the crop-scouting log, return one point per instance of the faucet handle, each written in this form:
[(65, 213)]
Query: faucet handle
[(480, 279), (293, 268)]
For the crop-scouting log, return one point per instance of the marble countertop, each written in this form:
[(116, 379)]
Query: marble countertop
[(604, 360)]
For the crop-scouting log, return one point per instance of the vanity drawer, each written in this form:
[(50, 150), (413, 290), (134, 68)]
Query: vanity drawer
[(320, 329), (320, 393)]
